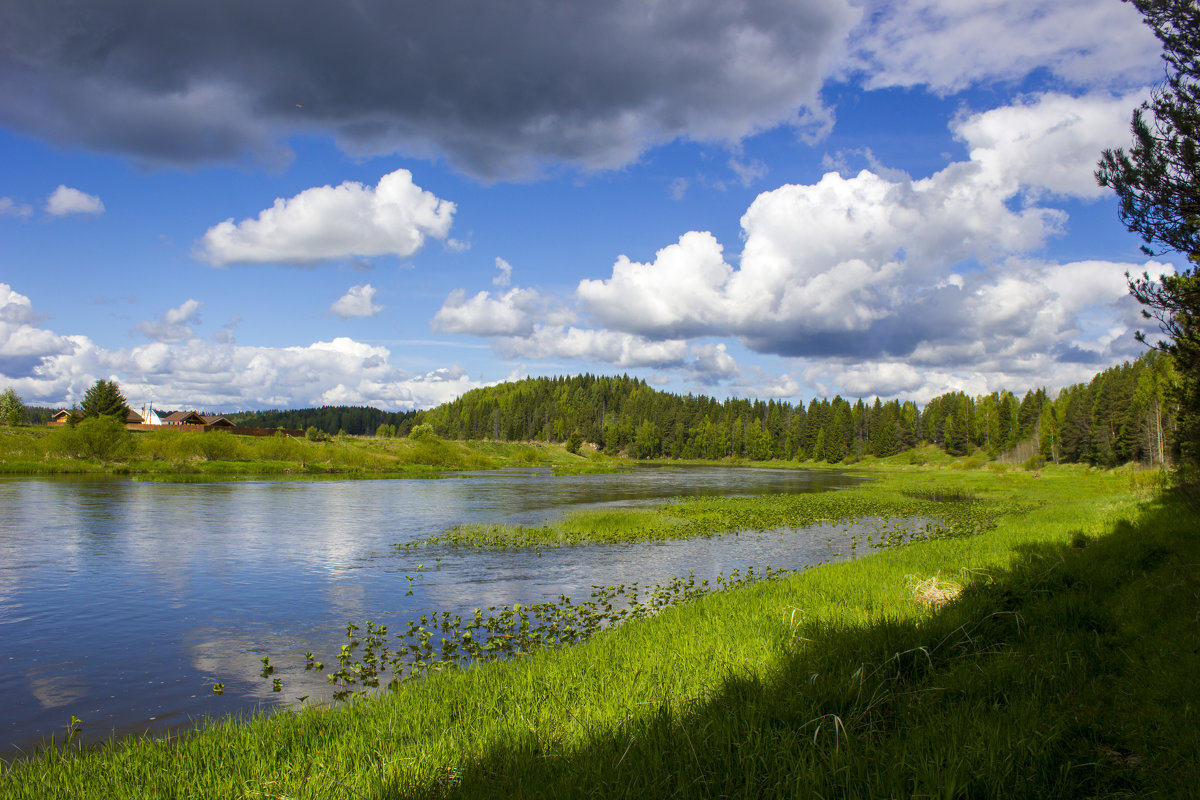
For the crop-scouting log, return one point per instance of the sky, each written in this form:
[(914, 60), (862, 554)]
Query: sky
[(291, 203)]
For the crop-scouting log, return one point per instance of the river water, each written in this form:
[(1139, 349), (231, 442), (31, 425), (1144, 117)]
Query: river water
[(122, 602)]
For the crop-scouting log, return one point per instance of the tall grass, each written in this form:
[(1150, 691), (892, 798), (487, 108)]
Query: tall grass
[(1066, 668)]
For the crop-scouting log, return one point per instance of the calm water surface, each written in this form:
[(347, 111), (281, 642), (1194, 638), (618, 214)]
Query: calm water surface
[(122, 602)]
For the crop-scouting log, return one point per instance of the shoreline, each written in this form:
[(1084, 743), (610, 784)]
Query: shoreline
[(700, 675)]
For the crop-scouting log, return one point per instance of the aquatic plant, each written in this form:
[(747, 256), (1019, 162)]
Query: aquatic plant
[(439, 640)]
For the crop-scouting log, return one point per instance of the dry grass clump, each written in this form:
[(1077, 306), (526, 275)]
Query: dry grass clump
[(935, 591)]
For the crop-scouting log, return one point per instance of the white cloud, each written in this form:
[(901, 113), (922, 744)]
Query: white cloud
[(712, 362), (505, 276), (748, 171), (949, 45), (1049, 144), (863, 265), (513, 313), (173, 324), (609, 347), (11, 208), (886, 378), (332, 222), (46, 368), (358, 301), (882, 283), (65, 200), (679, 294)]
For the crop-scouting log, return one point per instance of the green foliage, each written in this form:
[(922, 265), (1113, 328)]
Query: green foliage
[(1158, 179), (103, 438), (898, 515), (422, 433), (354, 420), (104, 398), (315, 434), (1158, 184), (574, 443), (11, 408)]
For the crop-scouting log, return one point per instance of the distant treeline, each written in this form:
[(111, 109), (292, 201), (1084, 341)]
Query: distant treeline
[(1122, 415), (354, 420)]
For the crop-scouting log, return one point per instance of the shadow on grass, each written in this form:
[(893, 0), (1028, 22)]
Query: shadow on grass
[(1072, 674)]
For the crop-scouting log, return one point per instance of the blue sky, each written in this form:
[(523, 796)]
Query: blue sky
[(227, 206)]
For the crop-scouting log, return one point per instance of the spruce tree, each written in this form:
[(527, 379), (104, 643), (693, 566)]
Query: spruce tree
[(104, 399)]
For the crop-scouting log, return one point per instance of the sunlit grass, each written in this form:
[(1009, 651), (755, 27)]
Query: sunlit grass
[(191, 454)]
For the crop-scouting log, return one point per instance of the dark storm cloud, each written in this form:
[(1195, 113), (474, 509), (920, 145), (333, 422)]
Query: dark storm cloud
[(499, 89)]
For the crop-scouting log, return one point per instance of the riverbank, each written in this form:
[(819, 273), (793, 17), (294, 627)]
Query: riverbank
[(1064, 668), (185, 455)]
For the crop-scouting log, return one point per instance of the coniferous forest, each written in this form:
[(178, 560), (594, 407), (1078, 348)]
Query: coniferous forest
[(353, 420), (1123, 414)]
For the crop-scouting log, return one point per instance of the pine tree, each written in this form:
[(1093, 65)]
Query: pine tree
[(1158, 184)]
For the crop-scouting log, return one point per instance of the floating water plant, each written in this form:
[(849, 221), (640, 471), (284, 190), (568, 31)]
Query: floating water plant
[(439, 640)]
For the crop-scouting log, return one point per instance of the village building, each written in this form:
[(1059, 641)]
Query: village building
[(61, 417)]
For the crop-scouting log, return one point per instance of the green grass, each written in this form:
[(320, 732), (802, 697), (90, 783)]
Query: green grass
[(1066, 668), (190, 455), (959, 505)]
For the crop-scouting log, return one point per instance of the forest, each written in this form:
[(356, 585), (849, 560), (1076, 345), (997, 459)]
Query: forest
[(352, 420), (1123, 414)]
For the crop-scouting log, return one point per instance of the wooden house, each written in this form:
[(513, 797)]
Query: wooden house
[(61, 417), (183, 418)]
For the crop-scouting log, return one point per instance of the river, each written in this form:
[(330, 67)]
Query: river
[(122, 602)]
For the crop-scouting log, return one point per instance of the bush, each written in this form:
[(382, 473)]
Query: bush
[(422, 432), (102, 438), (218, 446), (315, 434)]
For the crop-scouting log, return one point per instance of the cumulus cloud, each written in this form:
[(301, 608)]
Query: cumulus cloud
[(1048, 144), (862, 266), (882, 283), (513, 313), (24, 344), (528, 84), (949, 45), (173, 324), (44, 367), (65, 200), (358, 301), (332, 222)]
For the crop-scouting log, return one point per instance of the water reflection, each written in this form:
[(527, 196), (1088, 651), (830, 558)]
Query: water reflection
[(123, 602)]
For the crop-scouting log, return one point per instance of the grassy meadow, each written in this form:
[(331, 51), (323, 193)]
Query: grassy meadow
[(184, 455), (1051, 652)]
